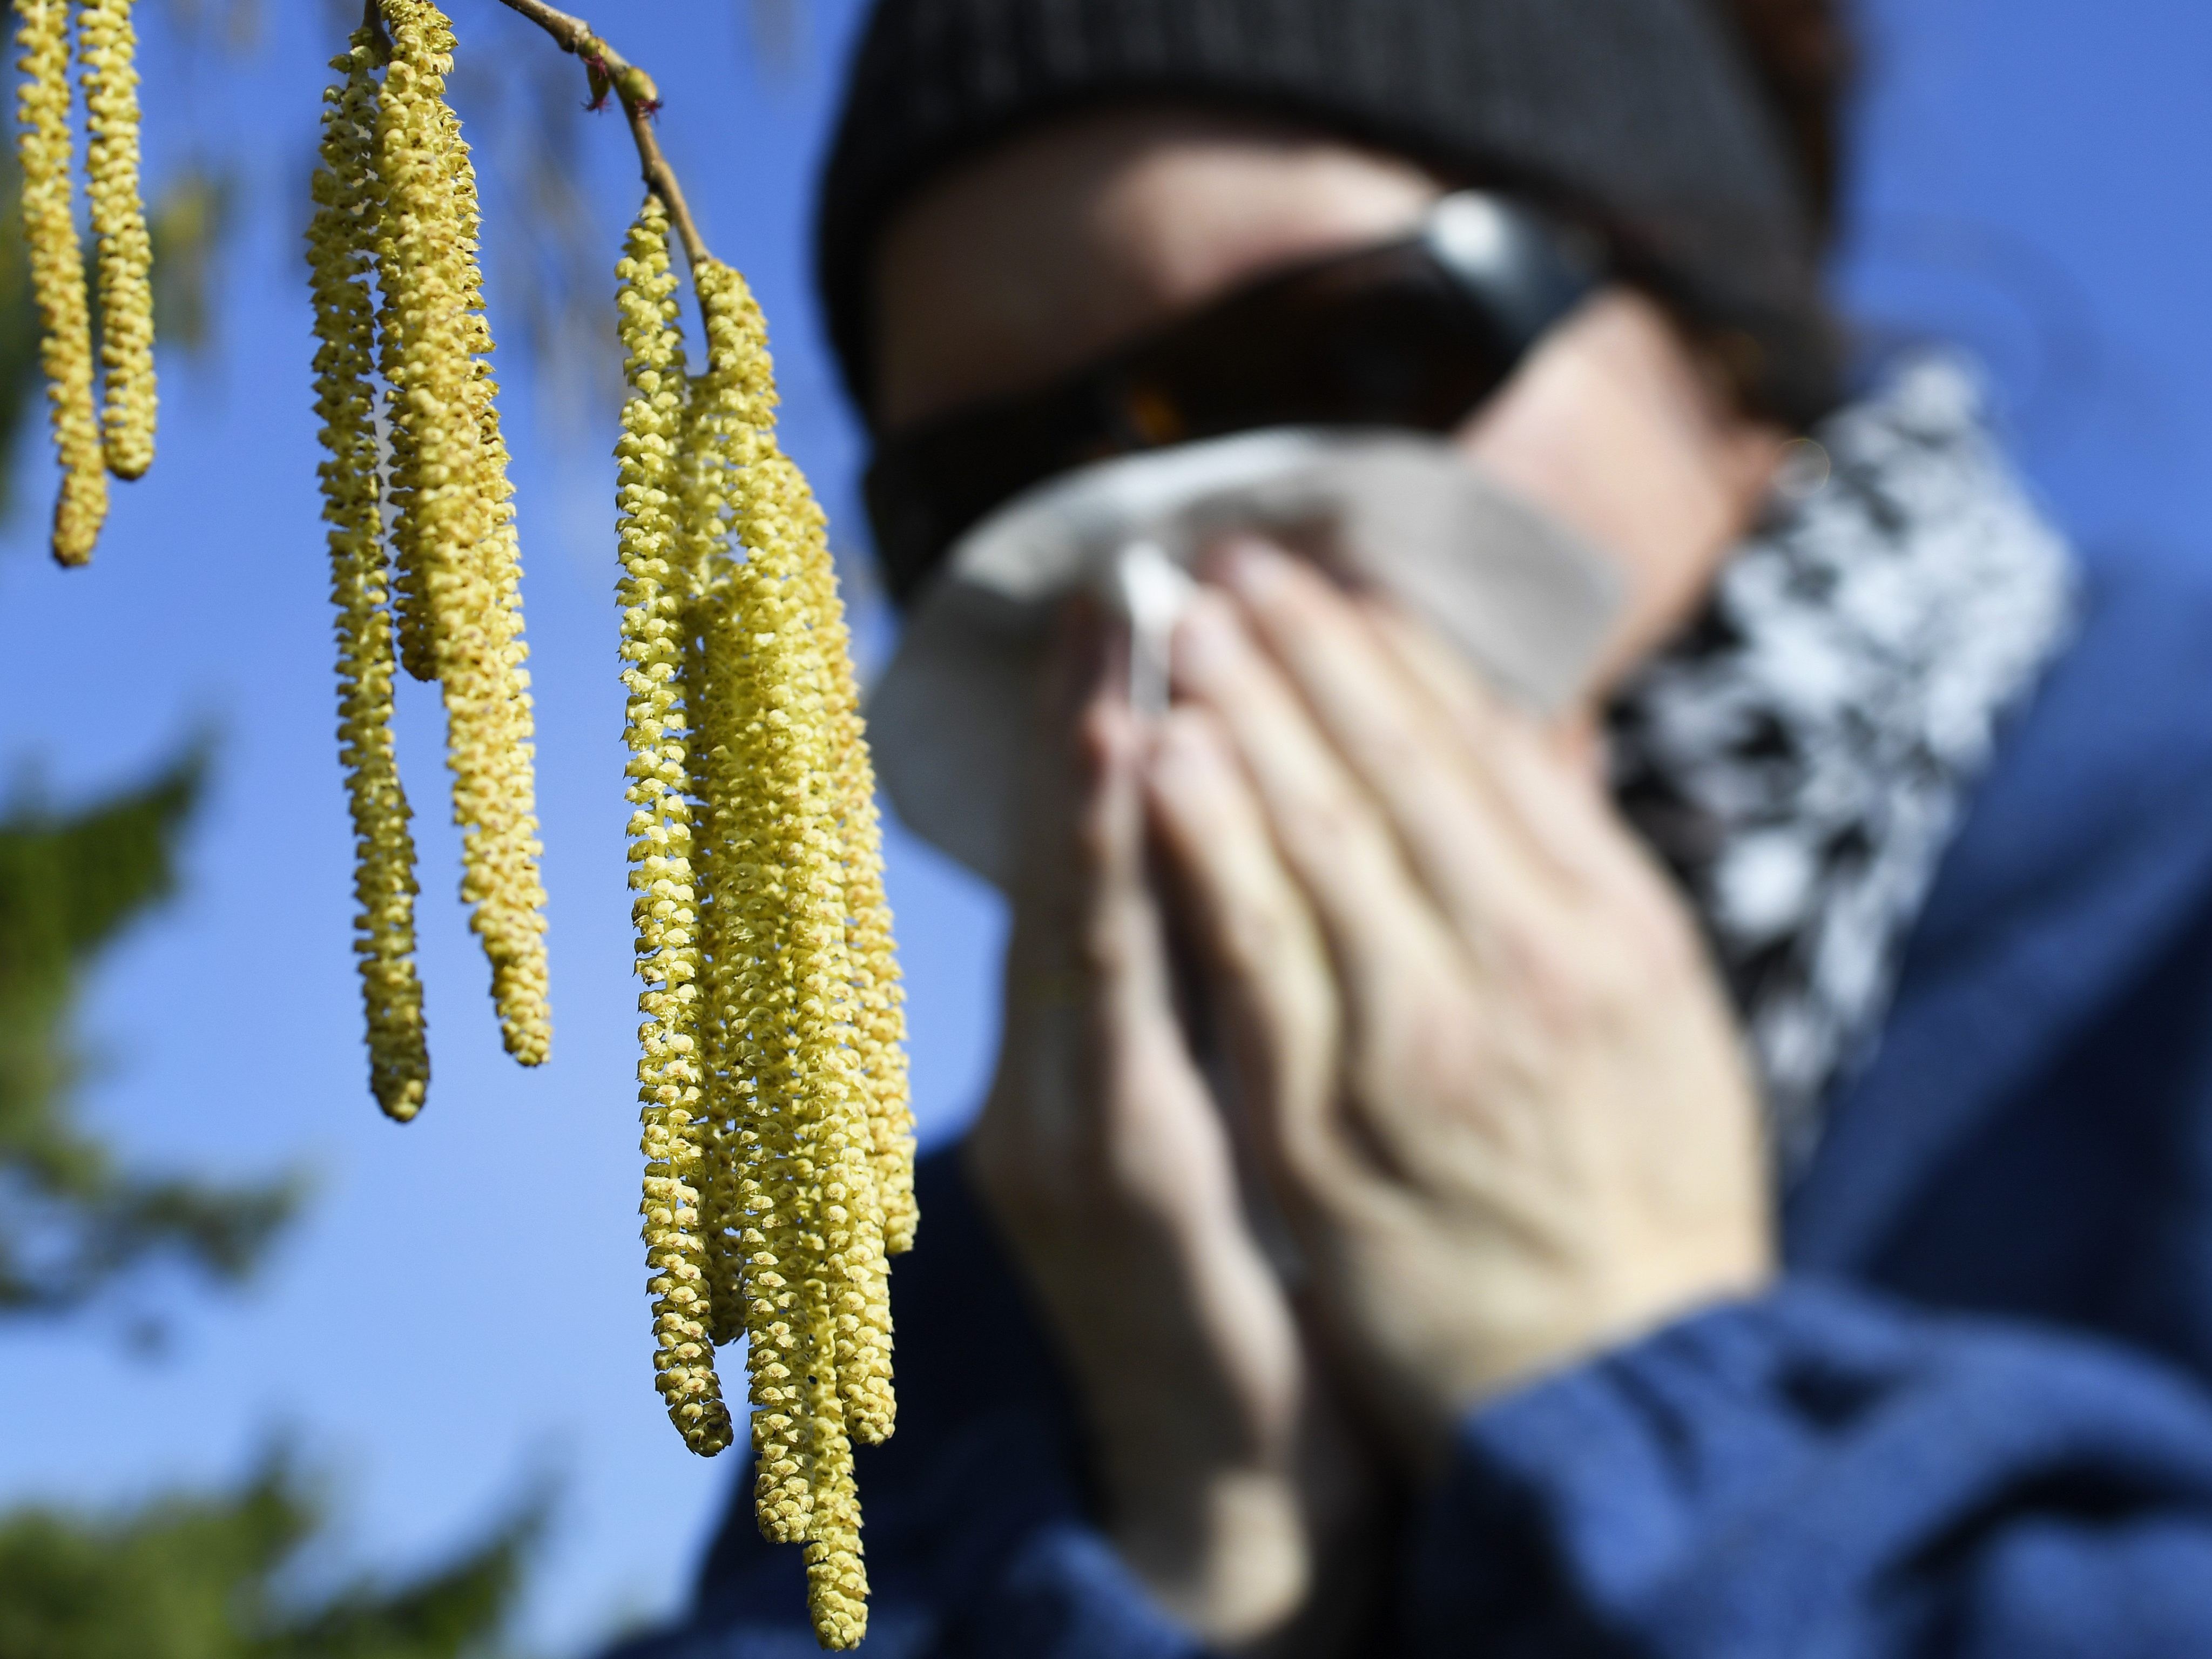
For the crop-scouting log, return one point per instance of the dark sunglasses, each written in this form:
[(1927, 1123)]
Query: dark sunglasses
[(1414, 334)]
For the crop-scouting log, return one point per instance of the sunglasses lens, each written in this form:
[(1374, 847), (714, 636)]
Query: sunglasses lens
[(1392, 344), (1411, 356), (1385, 336)]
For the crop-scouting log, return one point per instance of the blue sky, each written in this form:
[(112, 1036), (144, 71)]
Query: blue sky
[(464, 1306)]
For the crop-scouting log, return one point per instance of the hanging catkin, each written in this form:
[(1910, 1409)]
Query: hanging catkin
[(56, 262), (107, 49), (779, 1149), (652, 601), (409, 150), (396, 200), (340, 253), (885, 1130), (722, 827), (410, 599), (453, 536), (778, 1143), (512, 927), (776, 1135), (782, 523), (833, 1229)]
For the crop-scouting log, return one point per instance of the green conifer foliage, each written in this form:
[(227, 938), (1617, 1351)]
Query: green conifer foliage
[(185, 1577), (70, 1218), (200, 1577)]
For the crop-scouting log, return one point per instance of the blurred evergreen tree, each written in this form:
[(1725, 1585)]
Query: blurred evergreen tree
[(200, 1577), (70, 1218)]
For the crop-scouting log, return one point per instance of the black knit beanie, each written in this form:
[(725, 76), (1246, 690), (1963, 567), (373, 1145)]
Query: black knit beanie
[(1642, 119)]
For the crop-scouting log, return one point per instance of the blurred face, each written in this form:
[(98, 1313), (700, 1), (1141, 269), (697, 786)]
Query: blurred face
[(1045, 255)]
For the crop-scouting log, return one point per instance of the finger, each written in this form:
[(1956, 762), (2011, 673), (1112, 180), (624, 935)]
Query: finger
[(1550, 780), (1098, 1105), (1266, 960), (1079, 914), (1044, 959), (1452, 684), (1380, 926), (1155, 1131), (1033, 1107), (1124, 954), (1465, 845)]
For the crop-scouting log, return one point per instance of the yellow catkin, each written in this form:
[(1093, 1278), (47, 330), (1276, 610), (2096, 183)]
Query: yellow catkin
[(340, 250), (713, 428), (455, 522), (515, 928), (716, 853), (871, 1124), (854, 1215), (45, 146), (410, 594), (801, 1122), (880, 1037), (410, 599), (107, 49), (878, 1034), (828, 1235), (826, 1194), (716, 434), (773, 1267), (660, 840), (837, 1577), (764, 1266), (763, 651)]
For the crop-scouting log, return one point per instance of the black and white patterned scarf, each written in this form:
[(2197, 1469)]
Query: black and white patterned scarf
[(1800, 758)]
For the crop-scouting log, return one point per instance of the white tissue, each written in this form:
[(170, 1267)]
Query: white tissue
[(1528, 601), (1150, 591)]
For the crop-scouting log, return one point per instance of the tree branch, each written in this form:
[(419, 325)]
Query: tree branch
[(372, 18), (609, 71)]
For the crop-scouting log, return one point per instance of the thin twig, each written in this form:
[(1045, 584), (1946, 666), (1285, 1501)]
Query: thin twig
[(608, 70)]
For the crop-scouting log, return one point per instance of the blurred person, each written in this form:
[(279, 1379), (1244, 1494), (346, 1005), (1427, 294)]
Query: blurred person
[(1723, 1167)]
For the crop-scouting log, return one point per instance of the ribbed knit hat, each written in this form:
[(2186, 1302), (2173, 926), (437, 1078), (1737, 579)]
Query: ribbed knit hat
[(1640, 118)]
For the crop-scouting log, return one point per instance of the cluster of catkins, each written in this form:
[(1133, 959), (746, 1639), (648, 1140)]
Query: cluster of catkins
[(92, 437), (779, 1145), (399, 296)]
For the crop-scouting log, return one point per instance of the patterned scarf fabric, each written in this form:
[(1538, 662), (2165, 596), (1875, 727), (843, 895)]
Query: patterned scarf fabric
[(1801, 756)]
